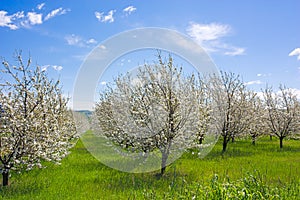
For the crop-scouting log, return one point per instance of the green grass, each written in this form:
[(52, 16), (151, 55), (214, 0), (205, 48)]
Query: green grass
[(244, 172)]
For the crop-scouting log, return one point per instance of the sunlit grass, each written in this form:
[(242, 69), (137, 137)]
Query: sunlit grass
[(260, 171)]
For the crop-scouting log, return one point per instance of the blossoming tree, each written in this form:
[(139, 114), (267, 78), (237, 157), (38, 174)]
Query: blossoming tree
[(283, 112), (230, 96), (159, 108), (35, 124)]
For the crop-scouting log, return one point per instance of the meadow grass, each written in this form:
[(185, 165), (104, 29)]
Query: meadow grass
[(263, 171)]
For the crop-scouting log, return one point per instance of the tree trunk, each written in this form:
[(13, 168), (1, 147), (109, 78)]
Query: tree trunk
[(201, 140), (224, 143), (164, 159), (270, 137), (281, 144), (5, 175), (253, 140), (232, 139)]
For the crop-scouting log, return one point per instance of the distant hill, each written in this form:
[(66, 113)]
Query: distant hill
[(88, 113)]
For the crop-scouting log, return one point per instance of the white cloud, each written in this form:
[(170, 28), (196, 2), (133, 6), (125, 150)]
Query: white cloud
[(295, 52), (19, 19), (73, 39), (56, 12), (91, 41), (76, 40), (105, 18), (207, 32), (128, 10), (44, 68), (209, 37), (57, 67), (34, 18), (6, 20), (98, 15), (102, 47), (18, 15), (263, 75), (103, 83), (235, 51), (256, 82), (40, 6)]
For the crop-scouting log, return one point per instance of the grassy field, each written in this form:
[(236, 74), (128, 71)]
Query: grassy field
[(244, 172)]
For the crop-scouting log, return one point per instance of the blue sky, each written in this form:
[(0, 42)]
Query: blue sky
[(258, 39)]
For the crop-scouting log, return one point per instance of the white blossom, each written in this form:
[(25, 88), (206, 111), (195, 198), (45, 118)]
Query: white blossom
[(160, 110), (35, 124)]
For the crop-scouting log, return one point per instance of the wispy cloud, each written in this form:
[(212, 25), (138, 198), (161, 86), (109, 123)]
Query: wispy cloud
[(295, 52), (75, 40), (27, 20), (40, 6), (56, 12), (207, 32), (55, 67), (102, 17), (102, 47), (263, 75), (44, 68), (209, 37), (18, 15), (256, 82), (91, 41), (235, 51), (128, 10)]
